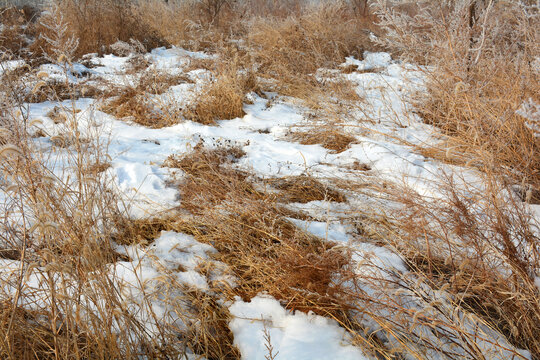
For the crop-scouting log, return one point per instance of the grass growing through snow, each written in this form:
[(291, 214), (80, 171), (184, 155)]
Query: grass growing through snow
[(224, 97), (250, 230), (54, 301), (478, 243), (477, 250)]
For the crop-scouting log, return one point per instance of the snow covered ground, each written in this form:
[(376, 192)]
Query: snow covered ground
[(385, 145)]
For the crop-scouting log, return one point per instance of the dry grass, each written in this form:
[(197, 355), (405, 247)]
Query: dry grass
[(480, 246), (224, 97), (249, 230), (484, 122), (59, 297), (99, 24), (331, 138), (67, 252), (177, 23), (481, 81), (204, 168), (304, 188), (141, 231), (136, 102), (46, 89), (131, 105), (14, 30), (248, 227), (212, 336), (53, 89), (291, 49), (477, 247), (303, 45)]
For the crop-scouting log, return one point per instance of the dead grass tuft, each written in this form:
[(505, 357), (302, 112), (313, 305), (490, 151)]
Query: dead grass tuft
[(305, 188), (30, 333), (142, 231), (224, 97), (330, 138), (53, 89), (210, 336), (137, 103), (158, 82), (208, 168), (133, 105)]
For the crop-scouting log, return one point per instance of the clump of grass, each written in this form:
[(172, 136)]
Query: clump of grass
[(330, 138), (479, 244), (485, 123), (251, 233), (224, 97), (171, 21), (141, 231), (61, 241), (210, 336), (305, 188), (132, 105), (207, 167), (52, 89), (135, 105), (137, 102), (158, 82), (291, 49)]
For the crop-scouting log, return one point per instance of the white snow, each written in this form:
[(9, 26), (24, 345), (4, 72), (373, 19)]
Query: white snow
[(333, 231), (10, 65), (293, 335)]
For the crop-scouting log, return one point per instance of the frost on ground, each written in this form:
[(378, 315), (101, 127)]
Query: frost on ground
[(153, 277)]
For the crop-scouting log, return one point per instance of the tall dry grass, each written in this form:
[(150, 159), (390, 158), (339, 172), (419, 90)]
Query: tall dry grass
[(224, 97), (60, 297), (97, 25), (483, 77), (478, 243), (293, 48)]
